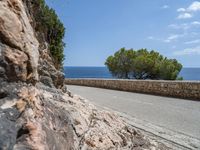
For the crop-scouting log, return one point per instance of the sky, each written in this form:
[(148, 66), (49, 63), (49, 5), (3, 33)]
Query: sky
[(96, 29)]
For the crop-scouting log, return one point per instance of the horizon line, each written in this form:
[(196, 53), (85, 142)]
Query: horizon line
[(105, 66)]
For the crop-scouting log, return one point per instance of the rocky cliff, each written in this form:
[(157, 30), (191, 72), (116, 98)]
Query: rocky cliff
[(36, 110)]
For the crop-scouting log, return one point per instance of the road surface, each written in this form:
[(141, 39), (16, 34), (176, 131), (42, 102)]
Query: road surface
[(172, 113)]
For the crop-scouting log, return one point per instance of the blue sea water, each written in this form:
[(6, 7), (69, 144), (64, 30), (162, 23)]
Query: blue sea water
[(103, 72)]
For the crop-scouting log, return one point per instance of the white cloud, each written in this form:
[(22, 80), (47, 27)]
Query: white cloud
[(195, 23), (193, 42), (183, 26), (188, 12), (184, 16), (181, 10), (174, 26), (153, 38), (165, 7), (172, 37), (189, 51), (195, 6)]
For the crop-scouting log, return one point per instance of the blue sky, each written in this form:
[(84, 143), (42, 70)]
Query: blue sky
[(96, 29)]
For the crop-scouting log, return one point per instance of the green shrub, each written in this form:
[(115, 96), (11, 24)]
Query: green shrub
[(47, 22), (142, 64)]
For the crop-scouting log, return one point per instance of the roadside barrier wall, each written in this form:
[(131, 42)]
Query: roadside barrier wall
[(179, 89)]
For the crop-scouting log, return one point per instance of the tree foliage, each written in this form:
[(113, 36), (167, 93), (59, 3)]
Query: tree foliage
[(142, 64), (47, 22)]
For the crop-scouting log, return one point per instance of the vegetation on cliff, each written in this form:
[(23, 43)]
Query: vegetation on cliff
[(47, 22), (142, 64)]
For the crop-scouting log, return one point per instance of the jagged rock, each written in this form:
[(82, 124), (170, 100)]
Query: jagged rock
[(17, 36), (29, 121), (46, 118), (21, 55), (58, 78), (16, 64), (2, 72), (65, 90), (46, 81), (7, 131), (46, 68)]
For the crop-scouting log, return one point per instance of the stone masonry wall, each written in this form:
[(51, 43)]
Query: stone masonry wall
[(179, 89)]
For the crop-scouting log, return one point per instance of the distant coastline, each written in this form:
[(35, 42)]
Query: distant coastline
[(103, 72)]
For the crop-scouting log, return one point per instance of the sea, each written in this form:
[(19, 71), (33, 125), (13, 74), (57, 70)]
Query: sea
[(103, 72)]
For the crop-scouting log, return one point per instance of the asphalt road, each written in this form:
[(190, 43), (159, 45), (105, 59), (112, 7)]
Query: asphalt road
[(172, 113)]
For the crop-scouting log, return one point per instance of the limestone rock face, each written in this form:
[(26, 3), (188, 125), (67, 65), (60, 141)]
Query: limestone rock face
[(29, 121), (44, 118), (19, 53), (22, 57), (49, 75)]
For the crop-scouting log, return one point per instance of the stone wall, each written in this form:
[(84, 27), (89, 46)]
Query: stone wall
[(179, 89)]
